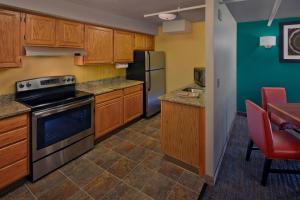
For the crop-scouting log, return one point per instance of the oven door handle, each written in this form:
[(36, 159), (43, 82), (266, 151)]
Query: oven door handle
[(58, 109)]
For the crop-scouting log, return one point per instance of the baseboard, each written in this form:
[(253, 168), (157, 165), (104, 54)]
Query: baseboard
[(244, 114)]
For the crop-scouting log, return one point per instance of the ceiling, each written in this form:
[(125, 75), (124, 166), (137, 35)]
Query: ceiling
[(136, 9), (254, 10)]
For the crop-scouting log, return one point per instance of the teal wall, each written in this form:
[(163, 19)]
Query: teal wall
[(258, 66)]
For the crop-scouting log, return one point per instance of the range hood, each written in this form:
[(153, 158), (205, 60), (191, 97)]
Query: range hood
[(53, 51)]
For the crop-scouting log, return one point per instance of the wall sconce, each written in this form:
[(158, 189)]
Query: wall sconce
[(267, 41)]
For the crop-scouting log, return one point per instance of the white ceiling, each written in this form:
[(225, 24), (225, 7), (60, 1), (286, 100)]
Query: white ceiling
[(136, 9), (254, 10)]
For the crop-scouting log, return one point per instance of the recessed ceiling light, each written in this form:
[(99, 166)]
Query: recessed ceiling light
[(167, 16)]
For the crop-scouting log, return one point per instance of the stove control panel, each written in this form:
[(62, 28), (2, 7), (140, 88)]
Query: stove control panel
[(45, 82)]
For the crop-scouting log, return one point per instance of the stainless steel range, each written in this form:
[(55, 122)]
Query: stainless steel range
[(61, 121)]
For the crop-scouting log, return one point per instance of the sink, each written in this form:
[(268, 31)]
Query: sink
[(193, 90)]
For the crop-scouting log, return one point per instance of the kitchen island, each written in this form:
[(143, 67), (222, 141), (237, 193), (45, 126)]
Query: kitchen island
[(183, 128)]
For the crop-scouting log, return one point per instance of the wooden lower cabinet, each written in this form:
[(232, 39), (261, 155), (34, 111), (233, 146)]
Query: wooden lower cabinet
[(13, 172), (13, 149), (113, 109), (108, 116), (183, 133), (133, 106)]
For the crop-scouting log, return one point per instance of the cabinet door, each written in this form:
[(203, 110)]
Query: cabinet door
[(69, 34), (10, 50), (108, 116), (123, 46), (133, 106), (149, 42), (40, 31), (98, 44), (139, 41)]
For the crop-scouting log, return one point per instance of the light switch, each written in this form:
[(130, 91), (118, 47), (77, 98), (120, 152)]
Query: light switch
[(218, 83)]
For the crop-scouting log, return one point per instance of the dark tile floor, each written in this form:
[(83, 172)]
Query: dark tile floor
[(128, 165)]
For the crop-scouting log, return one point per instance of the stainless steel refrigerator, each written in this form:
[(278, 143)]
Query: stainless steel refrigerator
[(149, 66)]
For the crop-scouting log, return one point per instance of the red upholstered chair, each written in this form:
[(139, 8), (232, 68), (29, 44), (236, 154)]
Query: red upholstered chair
[(275, 95), (274, 145)]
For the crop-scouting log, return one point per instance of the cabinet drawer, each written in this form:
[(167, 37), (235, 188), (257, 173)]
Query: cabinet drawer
[(13, 153), (13, 172), (109, 96), (13, 136), (133, 89), (12, 123)]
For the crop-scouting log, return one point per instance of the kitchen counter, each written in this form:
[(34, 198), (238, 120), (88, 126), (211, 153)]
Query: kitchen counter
[(106, 85), (9, 107), (173, 97)]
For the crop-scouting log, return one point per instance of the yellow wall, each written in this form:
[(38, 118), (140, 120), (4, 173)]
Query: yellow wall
[(184, 51), (34, 67)]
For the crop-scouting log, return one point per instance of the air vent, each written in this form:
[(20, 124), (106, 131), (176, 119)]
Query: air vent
[(177, 26)]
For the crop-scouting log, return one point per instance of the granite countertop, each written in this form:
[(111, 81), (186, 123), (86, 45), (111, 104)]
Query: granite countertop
[(106, 85), (192, 101), (9, 107)]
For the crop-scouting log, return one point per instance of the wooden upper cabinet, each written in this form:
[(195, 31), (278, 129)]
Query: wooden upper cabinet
[(143, 42), (149, 42), (69, 34), (139, 41), (99, 44), (39, 30), (10, 44), (123, 46)]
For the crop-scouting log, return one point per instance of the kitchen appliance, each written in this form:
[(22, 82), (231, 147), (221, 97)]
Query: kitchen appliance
[(149, 66), (61, 121), (199, 76)]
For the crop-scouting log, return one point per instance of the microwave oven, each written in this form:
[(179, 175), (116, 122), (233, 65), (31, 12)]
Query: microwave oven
[(199, 76)]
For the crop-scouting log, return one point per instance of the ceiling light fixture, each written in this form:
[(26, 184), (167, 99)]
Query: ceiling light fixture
[(167, 16)]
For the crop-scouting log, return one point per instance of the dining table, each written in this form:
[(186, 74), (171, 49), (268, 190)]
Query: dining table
[(288, 111)]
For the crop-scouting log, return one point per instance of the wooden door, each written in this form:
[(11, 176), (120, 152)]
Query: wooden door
[(39, 31), (139, 41), (108, 116), (10, 44), (98, 44), (133, 106), (69, 34), (123, 46)]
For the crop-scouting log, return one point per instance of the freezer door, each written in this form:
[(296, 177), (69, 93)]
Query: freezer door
[(155, 87), (154, 60)]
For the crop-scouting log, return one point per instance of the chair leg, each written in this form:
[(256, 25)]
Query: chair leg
[(249, 150), (267, 167)]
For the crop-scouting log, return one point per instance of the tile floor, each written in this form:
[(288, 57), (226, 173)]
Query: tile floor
[(128, 165)]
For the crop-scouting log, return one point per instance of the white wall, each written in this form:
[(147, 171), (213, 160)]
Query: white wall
[(225, 36), (82, 13), (221, 81)]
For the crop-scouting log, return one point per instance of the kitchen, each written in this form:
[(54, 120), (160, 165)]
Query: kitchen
[(92, 100)]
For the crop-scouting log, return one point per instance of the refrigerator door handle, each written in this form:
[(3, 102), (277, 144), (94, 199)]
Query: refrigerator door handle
[(149, 67), (149, 81)]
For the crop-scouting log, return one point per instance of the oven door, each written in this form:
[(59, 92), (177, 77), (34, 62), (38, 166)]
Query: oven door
[(58, 127)]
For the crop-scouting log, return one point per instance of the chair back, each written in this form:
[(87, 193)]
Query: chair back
[(259, 127), (274, 95)]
